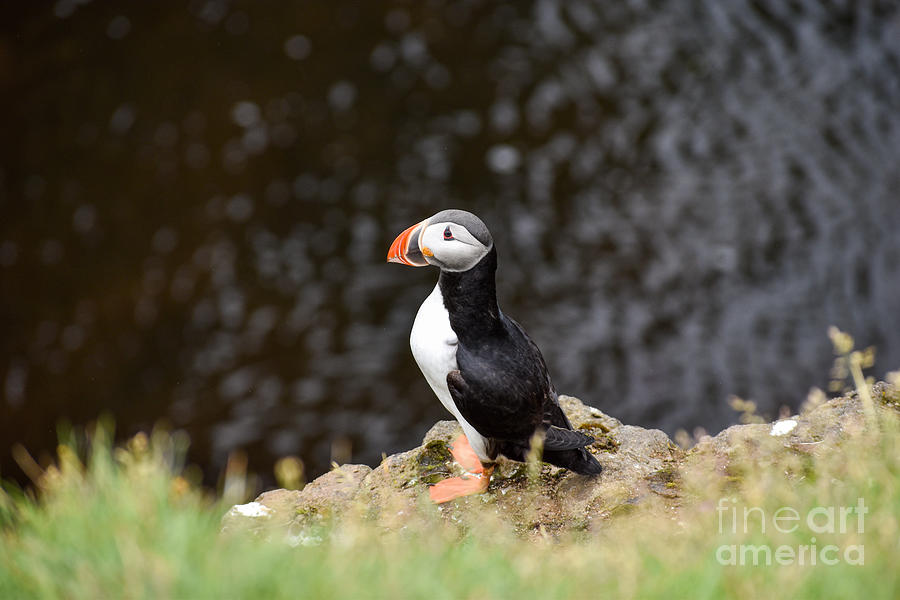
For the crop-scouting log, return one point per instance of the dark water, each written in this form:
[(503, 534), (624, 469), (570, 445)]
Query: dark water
[(197, 199)]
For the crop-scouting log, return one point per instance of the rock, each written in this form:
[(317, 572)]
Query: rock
[(328, 495), (401, 478), (281, 504), (332, 492), (253, 516), (442, 431), (643, 470)]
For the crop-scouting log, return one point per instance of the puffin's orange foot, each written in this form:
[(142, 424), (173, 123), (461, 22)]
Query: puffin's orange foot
[(457, 487), (464, 455)]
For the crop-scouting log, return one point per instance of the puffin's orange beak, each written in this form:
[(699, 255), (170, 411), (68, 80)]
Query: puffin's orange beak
[(405, 249)]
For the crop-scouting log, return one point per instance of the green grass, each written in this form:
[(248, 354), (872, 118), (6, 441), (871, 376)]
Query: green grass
[(126, 523)]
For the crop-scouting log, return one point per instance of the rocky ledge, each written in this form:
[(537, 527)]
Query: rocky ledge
[(643, 470)]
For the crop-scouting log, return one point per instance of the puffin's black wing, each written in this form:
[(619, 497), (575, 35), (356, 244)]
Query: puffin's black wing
[(503, 389), (563, 446), (496, 405)]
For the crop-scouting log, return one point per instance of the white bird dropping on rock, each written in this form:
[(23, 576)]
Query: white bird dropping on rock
[(783, 427)]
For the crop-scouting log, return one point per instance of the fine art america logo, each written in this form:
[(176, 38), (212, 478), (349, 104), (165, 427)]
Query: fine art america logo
[(821, 520)]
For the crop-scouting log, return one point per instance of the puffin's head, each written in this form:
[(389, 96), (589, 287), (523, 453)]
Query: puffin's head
[(454, 240)]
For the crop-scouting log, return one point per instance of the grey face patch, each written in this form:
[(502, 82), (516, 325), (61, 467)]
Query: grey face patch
[(473, 224)]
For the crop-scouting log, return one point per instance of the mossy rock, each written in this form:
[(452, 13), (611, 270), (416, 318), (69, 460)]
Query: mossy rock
[(644, 473)]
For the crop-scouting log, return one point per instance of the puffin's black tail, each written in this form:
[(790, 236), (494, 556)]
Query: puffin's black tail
[(579, 461), (565, 447)]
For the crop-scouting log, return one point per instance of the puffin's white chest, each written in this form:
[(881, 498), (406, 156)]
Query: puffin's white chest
[(433, 345)]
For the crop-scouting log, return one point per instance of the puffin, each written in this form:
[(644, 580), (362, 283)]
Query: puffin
[(480, 363)]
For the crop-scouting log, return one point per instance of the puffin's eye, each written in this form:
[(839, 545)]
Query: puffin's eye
[(448, 235)]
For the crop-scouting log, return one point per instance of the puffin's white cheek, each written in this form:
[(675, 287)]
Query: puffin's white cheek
[(460, 253)]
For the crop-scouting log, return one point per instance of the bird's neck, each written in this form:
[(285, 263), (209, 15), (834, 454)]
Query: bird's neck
[(470, 297)]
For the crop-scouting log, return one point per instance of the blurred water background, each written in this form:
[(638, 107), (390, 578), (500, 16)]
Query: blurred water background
[(197, 198)]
